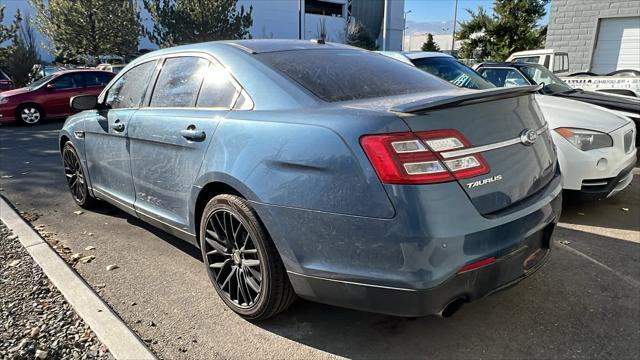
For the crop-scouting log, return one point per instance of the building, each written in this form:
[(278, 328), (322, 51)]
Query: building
[(414, 41), (294, 19), (599, 35)]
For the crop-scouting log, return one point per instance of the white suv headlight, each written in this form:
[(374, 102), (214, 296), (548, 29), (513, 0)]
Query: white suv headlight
[(586, 140)]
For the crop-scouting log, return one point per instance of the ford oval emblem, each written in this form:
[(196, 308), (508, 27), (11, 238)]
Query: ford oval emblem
[(528, 137)]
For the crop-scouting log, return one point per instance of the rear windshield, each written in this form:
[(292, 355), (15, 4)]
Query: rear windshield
[(338, 75)]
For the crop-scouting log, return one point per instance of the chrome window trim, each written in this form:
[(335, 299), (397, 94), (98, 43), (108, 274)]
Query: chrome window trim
[(488, 147)]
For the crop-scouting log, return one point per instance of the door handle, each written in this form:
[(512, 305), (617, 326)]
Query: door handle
[(192, 134), (117, 126)]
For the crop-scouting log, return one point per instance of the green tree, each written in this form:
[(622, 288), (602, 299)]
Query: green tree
[(89, 27), (178, 22), (24, 53), (7, 33), (512, 27), (430, 45), (358, 35)]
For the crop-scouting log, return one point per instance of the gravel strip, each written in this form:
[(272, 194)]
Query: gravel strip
[(36, 321)]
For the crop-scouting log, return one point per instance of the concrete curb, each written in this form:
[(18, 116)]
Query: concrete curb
[(122, 342)]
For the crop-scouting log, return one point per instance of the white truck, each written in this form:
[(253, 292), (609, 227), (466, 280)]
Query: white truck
[(621, 82)]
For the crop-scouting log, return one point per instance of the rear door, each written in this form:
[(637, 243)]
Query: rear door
[(496, 132), (94, 82), (169, 137)]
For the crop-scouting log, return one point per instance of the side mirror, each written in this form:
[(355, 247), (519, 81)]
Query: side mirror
[(84, 102), (50, 86)]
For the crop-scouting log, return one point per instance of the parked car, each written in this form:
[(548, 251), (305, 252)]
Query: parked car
[(5, 81), (621, 81), (596, 149), (49, 96), (513, 74), (322, 170), (111, 67)]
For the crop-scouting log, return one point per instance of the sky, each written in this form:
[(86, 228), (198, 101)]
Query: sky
[(436, 16)]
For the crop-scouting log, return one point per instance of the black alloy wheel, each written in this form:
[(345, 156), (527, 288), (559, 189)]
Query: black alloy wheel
[(76, 179), (241, 260)]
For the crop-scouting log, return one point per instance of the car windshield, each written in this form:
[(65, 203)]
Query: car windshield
[(452, 71), (37, 83), (339, 75), (552, 84)]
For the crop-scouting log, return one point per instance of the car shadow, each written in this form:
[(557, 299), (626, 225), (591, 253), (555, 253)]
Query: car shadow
[(616, 212), (547, 308)]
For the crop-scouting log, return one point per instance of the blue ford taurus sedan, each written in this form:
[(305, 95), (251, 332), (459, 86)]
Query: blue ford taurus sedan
[(322, 171)]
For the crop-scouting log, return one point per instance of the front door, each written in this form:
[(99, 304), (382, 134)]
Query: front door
[(59, 91), (106, 142), (170, 137)]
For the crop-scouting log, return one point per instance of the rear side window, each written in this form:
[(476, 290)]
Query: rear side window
[(179, 82), (129, 89), (338, 75), (217, 90), (528, 60), (97, 79)]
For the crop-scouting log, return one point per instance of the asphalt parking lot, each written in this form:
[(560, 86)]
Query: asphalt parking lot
[(583, 304)]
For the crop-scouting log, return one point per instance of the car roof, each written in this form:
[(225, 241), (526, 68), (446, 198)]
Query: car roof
[(413, 55), (503, 64), (275, 45), (71, 71), (535, 52)]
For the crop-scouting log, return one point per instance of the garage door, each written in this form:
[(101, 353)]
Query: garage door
[(618, 45)]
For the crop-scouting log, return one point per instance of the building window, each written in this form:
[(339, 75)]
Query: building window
[(320, 7)]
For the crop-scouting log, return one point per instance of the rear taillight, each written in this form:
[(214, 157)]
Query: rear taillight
[(415, 158)]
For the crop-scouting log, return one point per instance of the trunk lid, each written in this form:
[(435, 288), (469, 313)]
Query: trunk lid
[(493, 122)]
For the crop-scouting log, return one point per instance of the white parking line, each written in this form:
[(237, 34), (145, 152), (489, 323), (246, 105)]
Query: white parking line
[(620, 234), (121, 341), (624, 277)]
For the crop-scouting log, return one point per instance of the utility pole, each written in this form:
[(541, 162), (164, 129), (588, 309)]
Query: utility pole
[(453, 35), (404, 28), (384, 25)]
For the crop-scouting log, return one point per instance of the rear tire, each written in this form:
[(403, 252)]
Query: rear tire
[(76, 179), (30, 114), (242, 261)]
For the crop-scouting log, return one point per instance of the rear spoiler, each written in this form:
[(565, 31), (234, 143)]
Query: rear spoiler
[(469, 98)]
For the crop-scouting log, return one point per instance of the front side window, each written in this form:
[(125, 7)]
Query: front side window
[(339, 75), (542, 75), (504, 77), (217, 90), (128, 91), (179, 82), (68, 81), (452, 71)]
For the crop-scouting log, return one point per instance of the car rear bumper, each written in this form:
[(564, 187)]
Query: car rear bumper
[(409, 265), (468, 286)]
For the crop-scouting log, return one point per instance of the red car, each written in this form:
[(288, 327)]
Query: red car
[(49, 96)]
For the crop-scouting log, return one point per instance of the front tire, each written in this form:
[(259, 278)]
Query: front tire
[(76, 179), (30, 114), (241, 260)]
